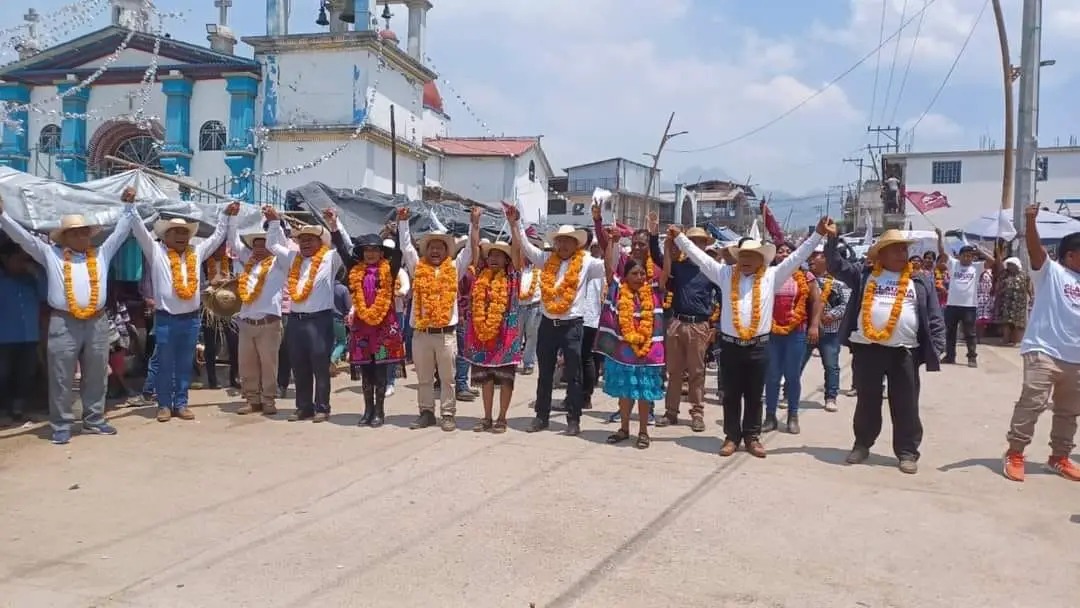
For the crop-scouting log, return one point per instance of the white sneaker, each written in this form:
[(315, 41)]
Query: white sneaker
[(830, 405), (389, 390)]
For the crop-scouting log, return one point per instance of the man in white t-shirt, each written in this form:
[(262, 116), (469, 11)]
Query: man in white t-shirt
[(960, 308), (1051, 353)]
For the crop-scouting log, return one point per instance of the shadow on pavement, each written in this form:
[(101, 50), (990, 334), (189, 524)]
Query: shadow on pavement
[(993, 465), (835, 456)]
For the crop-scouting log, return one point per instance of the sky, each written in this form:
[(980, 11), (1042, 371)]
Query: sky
[(768, 90)]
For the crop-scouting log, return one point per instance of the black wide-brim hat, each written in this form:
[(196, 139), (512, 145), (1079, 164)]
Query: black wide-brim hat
[(370, 240)]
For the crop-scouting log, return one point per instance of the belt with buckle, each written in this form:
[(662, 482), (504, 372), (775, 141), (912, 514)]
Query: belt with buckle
[(756, 340), (449, 329), (267, 320), (566, 322), (310, 315), (691, 318)]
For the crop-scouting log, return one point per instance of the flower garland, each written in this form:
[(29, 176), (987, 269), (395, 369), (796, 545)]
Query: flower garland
[(435, 294), (247, 296), (214, 267), (939, 279), (668, 298), (883, 335), (384, 294), (798, 308), (826, 290), (313, 270), (637, 333), (715, 315), (558, 298), (185, 290), (746, 333), (489, 303), (82, 312), (531, 289)]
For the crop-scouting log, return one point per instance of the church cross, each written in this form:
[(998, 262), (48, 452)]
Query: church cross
[(33, 18), (223, 7)]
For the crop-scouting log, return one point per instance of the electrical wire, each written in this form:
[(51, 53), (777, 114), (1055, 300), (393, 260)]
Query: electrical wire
[(877, 66), (813, 95), (907, 68), (952, 68), (892, 67)]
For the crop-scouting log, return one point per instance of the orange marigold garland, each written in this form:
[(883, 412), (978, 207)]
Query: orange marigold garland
[(435, 294), (746, 333), (826, 289), (798, 307), (374, 314), (248, 294), (530, 290), (214, 266), (558, 298), (637, 331), (295, 294), (884, 334), (82, 312), (490, 300), (185, 290)]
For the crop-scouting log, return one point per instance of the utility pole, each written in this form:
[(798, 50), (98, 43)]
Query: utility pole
[(1007, 169), (892, 134), (668, 136), (1027, 136)]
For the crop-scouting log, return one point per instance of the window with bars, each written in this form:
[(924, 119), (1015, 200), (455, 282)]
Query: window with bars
[(212, 136), (49, 140), (945, 172)]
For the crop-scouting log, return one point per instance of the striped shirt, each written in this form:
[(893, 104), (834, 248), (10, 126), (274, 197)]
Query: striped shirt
[(842, 293)]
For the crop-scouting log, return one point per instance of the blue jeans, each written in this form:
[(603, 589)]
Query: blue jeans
[(150, 385), (785, 361), (530, 324), (829, 347), (407, 329), (461, 367), (176, 336)]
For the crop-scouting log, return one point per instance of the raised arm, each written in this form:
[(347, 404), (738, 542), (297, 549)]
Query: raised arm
[(943, 255), (120, 233), (237, 246), (1036, 251), (338, 239), (404, 284), (816, 308), (611, 255), (710, 267), (34, 247), (665, 274), (143, 238), (474, 243), (785, 269), (598, 228), (408, 250), (535, 255), (841, 269), (210, 245)]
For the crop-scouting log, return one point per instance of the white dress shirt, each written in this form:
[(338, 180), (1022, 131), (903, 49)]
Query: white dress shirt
[(775, 276), (530, 277), (591, 268), (51, 257), (165, 297), (322, 292), (594, 293), (268, 304), (412, 258), (404, 287)]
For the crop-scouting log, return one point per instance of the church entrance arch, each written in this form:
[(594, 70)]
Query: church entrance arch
[(125, 140)]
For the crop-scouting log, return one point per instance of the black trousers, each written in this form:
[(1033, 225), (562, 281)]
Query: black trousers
[(872, 364), (954, 316), (589, 369), (18, 375), (212, 338), (284, 368), (311, 340), (742, 374), (566, 336)]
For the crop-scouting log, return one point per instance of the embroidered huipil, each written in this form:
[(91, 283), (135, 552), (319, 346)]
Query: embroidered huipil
[(506, 347), (609, 337)]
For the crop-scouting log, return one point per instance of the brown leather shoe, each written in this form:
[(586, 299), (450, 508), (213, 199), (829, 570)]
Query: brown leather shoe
[(185, 414), (320, 417), (728, 448), (249, 408), (755, 448), (667, 419), (164, 414), (269, 409), (697, 424)]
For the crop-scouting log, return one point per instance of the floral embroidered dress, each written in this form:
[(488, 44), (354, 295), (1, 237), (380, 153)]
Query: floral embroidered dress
[(383, 343), (984, 305), (626, 374), (505, 350)]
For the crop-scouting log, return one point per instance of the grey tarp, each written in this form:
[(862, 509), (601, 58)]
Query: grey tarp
[(366, 211), (37, 203)]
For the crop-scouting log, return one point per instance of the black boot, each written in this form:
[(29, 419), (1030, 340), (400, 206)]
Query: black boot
[(770, 423), (369, 406), (380, 411)]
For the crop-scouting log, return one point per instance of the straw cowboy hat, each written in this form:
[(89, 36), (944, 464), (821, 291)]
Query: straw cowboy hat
[(765, 250), (503, 246), (163, 226), (889, 237), (71, 222), (447, 240), (569, 231), (700, 233), (250, 238), (313, 230)]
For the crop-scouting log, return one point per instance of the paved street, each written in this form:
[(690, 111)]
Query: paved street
[(237, 511)]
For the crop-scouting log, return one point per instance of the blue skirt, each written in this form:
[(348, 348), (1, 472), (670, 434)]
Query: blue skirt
[(637, 382)]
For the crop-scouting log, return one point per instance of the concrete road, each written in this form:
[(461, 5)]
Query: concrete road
[(235, 511)]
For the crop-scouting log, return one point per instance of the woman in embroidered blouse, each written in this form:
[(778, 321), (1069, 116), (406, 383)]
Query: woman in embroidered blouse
[(631, 339), (493, 328)]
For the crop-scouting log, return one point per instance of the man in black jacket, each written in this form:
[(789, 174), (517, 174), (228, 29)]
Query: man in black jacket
[(894, 325)]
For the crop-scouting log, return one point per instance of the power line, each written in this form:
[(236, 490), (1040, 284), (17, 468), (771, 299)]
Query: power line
[(952, 68), (813, 95), (892, 68), (877, 67), (907, 68)]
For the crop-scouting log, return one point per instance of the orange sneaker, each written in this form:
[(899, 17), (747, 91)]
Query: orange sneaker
[(1063, 466), (1014, 465)]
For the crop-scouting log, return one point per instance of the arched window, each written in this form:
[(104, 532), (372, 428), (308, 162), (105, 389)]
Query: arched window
[(532, 170), (49, 140), (212, 136)]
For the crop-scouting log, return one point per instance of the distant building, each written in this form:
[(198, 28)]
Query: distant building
[(971, 180), (725, 204), (633, 197)]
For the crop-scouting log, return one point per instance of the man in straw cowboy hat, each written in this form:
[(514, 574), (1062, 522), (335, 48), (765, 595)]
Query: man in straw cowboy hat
[(309, 330), (745, 324), (435, 317), (263, 257), (893, 324), (565, 274), (77, 275), (177, 280)]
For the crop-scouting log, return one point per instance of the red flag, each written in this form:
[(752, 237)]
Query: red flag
[(926, 202), (776, 233)]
